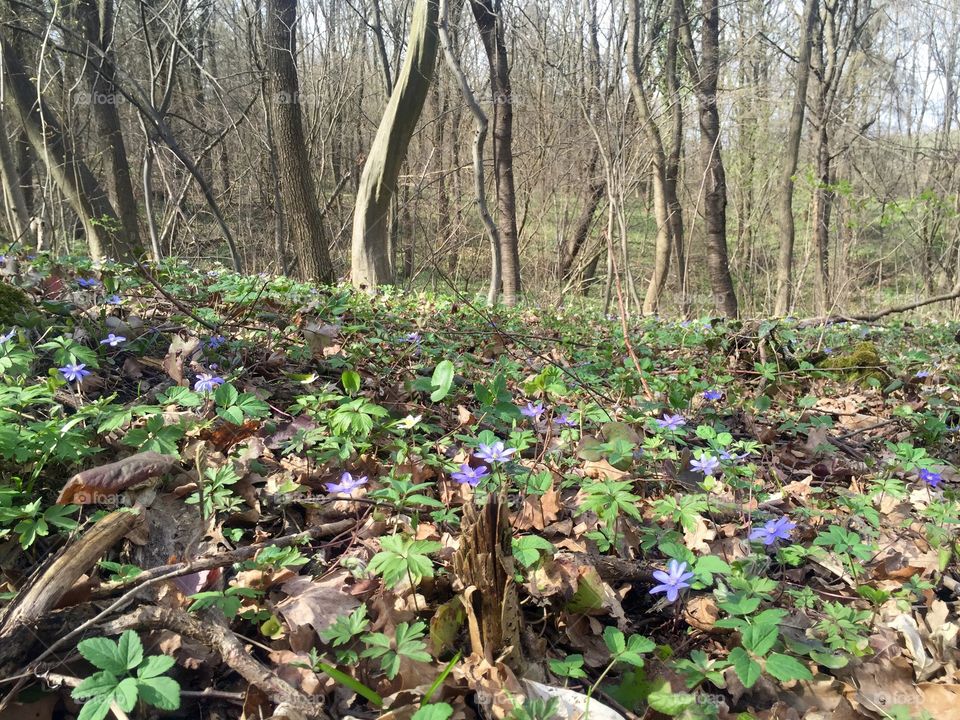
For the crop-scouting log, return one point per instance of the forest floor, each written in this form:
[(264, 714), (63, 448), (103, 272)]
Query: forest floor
[(247, 497)]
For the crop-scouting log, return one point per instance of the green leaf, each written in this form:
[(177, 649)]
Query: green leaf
[(747, 670), (154, 666), (226, 395), (125, 694), (664, 700), (96, 709), (442, 380), (833, 661), (351, 381), (100, 683), (437, 711), (614, 640), (347, 681), (760, 639), (102, 652), (161, 692), (785, 668), (130, 649)]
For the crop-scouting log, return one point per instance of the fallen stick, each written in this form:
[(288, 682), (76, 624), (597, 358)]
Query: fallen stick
[(230, 648)]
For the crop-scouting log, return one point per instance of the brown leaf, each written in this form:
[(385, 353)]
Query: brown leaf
[(226, 435), (180, 351), (316, 604), (537, 511), (106, 481)]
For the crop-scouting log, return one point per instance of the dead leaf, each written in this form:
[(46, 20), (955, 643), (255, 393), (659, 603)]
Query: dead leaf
[(181, 350), (104, 483), (316, 604)]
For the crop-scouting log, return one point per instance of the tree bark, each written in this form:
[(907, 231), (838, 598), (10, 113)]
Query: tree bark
[(705, 74), (18, 217), (298, 196), (671, 173), (489, 18), (103, 230), (789, 169), (370, 252), (96, 19)]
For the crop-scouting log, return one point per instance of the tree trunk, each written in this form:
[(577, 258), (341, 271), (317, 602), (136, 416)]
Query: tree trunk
[(489, 18), (370, 252), (18, 217), (96, 19), (671, 173), (706, 74), (789, 169), (87, 198), (822, 207), (571, 247), (298, 196)]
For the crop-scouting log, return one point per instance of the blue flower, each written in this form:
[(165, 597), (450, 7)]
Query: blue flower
[(495, 452), (206, 382), (706, 464), (216, 341), (532, 411), (114, 299), (773, 530), (671, 422), (113, 340), (467, 475), (712, 395), (347, 484), (673, 581), (74, 372), (7, 337), (87, 282), (922, 374), (413, 337), (930, 477), (564, 420)]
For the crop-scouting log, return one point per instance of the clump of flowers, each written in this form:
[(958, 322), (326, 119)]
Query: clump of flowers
[(532, 411), (348, 483), (564, 420), (675, 579), (712, 395), (931, 478), (216, 341), (87, 282), (207, 382), (773, 530)]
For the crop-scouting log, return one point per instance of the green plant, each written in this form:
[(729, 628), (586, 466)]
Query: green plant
[(407, 642), (228, 601), (124, 677), (403, 558)]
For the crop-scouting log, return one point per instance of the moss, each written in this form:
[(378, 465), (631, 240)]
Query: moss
[(13, 301), (861, 363)]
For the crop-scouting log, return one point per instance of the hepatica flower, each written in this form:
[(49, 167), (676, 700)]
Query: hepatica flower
[(348, 483), (114, 299), (207, 382), (216, 341), (671, 422), (532, 411), (74, 372), (930, 477), (564, 420), (921, 374), (467, 475), (706, 464), (494, 453), (7, 337), (773, 530), (113, 340), (87, 282), (413, 337), (712, 395), (673, 581)]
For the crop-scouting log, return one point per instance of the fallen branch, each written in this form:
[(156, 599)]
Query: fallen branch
[(230, 648), (874, 316)]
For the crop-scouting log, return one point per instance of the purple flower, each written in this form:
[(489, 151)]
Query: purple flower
[(216, 341), (564, 420), (532, 411), (113, 340), (413, 337), (773, 530), (74, 372), (930, 477), (467, 475), (206, 382), (671, 422), (494, 452), (347, 484), (673, 581), (87, 282), (712, 395), (7, 337), (706, 464), (922, 374), (114, 299)]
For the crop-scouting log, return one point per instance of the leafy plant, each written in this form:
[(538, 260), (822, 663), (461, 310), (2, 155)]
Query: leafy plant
[(407, 642), (403, 558), (124, 677)]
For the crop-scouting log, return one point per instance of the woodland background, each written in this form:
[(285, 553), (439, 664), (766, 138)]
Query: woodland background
[(685, 157)]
